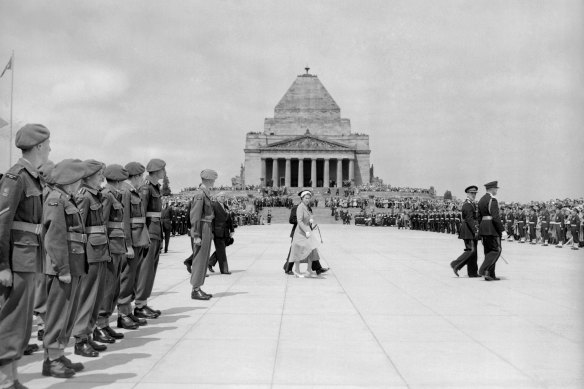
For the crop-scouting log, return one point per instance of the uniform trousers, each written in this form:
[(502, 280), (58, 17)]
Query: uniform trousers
[(147, 273), (62, 306), (545, 233), (219, 255), (112, 290), (91, 294), (201, 256), (575, 234), (532, 234), (16, 305), (40, 296), (468, 258), (559, 233), (128, 277), (166, 232), (492, 249)]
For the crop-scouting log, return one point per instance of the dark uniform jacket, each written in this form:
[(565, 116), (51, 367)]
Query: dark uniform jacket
[(470, 226), (21, 211), (135, 219), (152, 206), (89, 204), (489, 219), (222, 223), (168, 214), (113, 215), (65, 237)]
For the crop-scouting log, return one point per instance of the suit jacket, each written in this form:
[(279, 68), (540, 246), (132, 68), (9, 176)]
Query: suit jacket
[(470, 226), (222, 224), (166, 217), (489, 219)]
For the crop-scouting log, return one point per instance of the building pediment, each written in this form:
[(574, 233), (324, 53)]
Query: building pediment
[(308, 143)]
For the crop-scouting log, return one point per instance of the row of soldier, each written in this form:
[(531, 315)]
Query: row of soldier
[(71, 252)]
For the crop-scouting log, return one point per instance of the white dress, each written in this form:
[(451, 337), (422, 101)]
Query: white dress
[(302, 246)]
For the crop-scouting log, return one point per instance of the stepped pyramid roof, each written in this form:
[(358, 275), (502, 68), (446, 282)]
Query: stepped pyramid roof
[(304, 95)]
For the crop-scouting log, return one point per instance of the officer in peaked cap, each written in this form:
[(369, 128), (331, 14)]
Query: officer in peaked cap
[(490, 230), (469, 230), (21, 211), (150, 192)]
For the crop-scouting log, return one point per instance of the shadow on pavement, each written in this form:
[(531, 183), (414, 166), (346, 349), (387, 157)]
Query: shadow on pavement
[(174, 311), (227, 294)]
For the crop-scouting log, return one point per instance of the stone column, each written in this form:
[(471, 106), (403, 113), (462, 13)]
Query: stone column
[(301, 172), (288, 176), (327, 168), (263, 172), (275, 172), (339, 173), (351, 169), (313, 172)]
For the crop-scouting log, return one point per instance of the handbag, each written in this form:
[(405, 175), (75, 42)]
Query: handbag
[(229, 241)]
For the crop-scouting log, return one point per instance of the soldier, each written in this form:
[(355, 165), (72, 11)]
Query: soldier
[(167, 217), (21, 252), (137, 242), (574, 221), (510, 218), (93, 284), (113, 216), (490, 230), (559, 226), (521, 220), (202, 216), (469, 231), (65, 265), (532, 223), (152, 204), (545, 225)]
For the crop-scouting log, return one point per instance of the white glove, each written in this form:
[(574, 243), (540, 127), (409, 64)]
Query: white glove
[(308, 234)]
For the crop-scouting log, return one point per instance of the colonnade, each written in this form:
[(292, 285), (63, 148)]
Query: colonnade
[(316, 177)]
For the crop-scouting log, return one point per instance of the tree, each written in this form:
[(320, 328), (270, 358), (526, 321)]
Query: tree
[(448, 195), (166, 187)]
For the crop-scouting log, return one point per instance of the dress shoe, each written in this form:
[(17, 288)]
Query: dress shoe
[(199, 295), (226, 272), (454, 269), (96, 346), (85, 350), (211, 269), (322, 270), (473, 276), (153, 311), (205, 293), (31, 348), (126, 323), (72, 365), (40, 334), (100, 335), (57, 369), (138, 320), (110, 331), (143, 313), (290, 273)]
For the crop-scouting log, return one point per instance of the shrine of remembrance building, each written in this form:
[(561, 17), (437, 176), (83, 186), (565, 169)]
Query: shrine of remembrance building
[(306, 143)]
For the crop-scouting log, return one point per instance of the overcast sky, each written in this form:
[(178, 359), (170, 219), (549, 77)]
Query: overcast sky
[(451, 93)]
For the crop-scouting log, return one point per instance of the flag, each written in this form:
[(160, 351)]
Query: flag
[(8, 67)]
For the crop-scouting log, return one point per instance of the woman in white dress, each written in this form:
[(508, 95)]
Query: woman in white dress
[(304, 242)]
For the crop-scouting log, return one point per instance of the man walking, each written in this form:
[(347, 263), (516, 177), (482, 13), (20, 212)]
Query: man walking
[(490, 230), (469, 231)]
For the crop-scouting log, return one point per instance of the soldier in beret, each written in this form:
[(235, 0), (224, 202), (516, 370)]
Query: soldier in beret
[(202, 216), (65, 265), (469, 232), (93, 286), (490, 230), (20, 247), (152, 203), (113, 216), (137, 242)]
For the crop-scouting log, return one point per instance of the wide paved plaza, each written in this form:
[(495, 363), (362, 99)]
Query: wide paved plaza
[(389, 313)]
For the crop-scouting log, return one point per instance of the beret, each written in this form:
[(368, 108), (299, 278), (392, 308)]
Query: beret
[(491, 185), (91, 167), (155, 165), (68, 171), (471, 189), (135, 168), (115, 172), (31, 135), (209, 174), (46, 170)]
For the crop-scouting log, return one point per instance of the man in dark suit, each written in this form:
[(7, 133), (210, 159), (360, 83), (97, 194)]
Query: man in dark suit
[(222, 230), (490, 230), (469, 231), (166, 217)]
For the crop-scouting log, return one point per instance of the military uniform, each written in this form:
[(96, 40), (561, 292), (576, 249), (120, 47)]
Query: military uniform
[(202, 216), (21, 253), (490, 230), (469, 230)]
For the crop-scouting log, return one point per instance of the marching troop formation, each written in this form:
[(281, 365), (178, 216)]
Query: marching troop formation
[(72, 251)]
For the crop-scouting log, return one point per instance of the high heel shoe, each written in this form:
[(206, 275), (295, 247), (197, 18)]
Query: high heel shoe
[(299, 275), (310, 273)]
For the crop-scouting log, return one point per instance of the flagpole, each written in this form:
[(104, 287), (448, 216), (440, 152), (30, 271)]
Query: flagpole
[(11, 99)]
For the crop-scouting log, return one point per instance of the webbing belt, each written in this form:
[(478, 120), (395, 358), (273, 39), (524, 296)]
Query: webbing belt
[(76, 237), (95, 230), (27, 227), (138, 220), (154, 214), (487, 218), (119, 225)]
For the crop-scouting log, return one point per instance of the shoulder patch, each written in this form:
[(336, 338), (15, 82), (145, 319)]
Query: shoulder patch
[(11, 176)]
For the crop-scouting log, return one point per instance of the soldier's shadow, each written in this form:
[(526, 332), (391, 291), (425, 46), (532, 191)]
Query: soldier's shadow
[(88, 381), (227, 294)]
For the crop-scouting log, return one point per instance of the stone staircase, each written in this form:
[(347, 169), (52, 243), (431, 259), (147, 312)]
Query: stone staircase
[(280, 215)]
